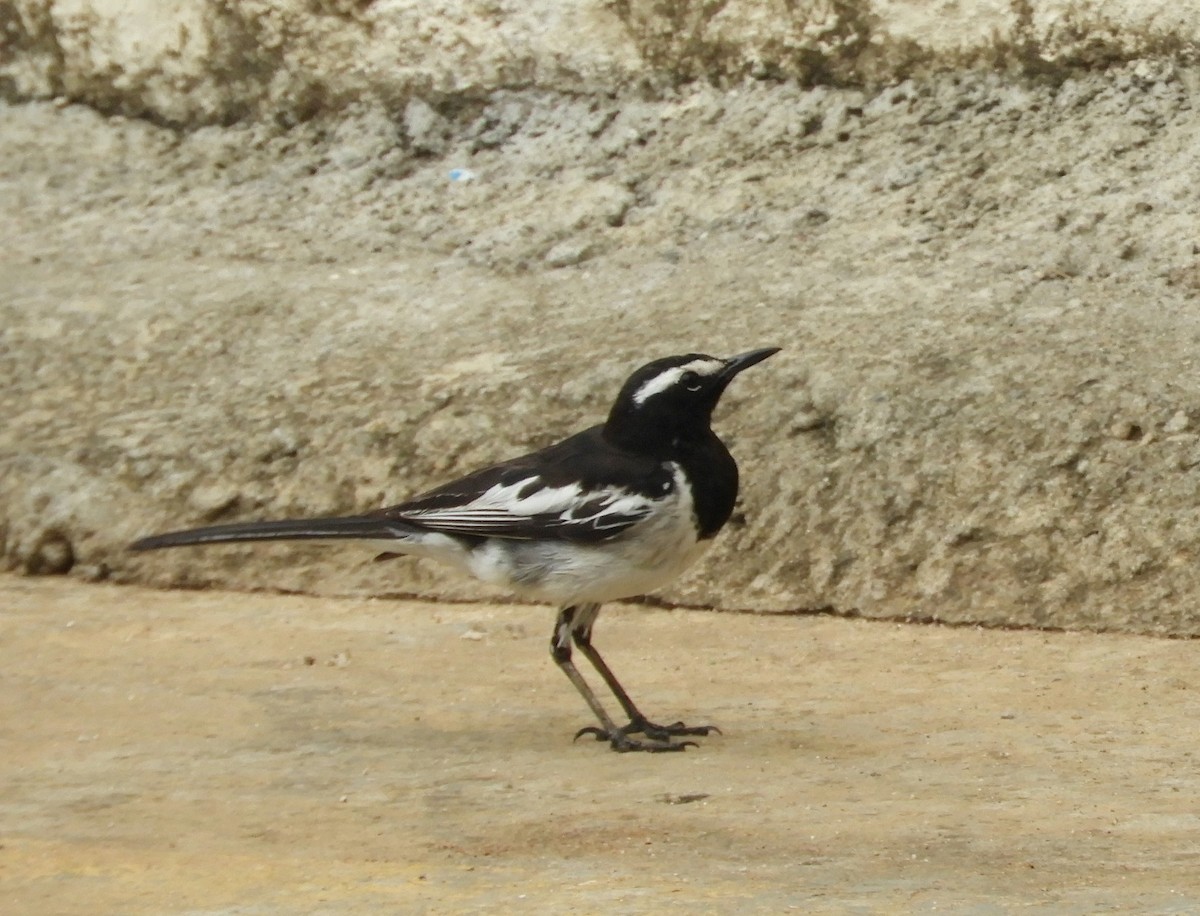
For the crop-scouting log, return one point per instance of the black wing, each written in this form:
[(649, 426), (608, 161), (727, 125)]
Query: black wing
[(580, 490)]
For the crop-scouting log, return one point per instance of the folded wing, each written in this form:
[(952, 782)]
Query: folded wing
[(527, 508), (574, 491)]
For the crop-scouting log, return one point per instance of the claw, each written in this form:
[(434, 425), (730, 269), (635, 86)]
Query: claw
[(661, 735), (663, 732), (621, 743)]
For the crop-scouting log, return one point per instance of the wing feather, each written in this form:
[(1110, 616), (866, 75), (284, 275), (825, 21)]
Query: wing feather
[(576, 491), (527, 509)]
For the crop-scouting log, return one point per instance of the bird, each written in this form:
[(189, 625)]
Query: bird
[(615, 511)]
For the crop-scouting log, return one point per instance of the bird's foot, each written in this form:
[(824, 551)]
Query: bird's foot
[(643, 726), (620, 741), (659, 736)]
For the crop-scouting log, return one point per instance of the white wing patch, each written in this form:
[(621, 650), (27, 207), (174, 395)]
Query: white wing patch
[(502, 508), (614, 509), (670, 377)]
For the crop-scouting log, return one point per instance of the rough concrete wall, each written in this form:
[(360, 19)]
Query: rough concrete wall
[(986, 409), (986, 284), (193, 62)]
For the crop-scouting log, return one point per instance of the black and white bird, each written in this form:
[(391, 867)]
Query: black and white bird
[(615, 511)]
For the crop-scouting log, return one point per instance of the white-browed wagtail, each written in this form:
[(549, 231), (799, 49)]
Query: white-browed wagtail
[(612, 512)]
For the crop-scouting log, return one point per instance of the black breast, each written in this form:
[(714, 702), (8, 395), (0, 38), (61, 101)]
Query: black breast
[(714, 477)]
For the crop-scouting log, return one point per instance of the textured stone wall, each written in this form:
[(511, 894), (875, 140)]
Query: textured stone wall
[(985, 281), (204, 61)]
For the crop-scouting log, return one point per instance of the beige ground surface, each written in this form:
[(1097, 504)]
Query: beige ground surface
[(169, 753)]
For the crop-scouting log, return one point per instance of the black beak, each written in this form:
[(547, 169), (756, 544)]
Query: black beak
[(736, 364)]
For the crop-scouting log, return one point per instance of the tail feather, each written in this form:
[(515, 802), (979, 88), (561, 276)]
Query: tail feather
[(366, 527)]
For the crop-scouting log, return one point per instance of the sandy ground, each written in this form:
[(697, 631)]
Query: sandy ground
[(210, 752)]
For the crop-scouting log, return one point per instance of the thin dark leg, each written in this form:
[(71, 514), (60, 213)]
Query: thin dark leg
[(618, 738), (638, 723), (583, 640), (560, 651)]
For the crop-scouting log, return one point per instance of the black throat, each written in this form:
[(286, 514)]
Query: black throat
[(707, 465)]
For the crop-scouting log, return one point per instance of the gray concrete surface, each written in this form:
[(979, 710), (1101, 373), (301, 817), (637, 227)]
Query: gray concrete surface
[(174, 753)]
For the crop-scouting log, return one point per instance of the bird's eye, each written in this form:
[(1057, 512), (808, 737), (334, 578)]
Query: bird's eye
[(691, 381)]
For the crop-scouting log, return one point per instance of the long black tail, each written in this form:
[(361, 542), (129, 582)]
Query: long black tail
[(369, 527)]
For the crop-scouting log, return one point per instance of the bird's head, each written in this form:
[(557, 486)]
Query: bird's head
[(674, 396)]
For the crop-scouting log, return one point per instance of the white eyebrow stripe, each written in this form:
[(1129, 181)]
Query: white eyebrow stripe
[(704, 366), (659, 383), (669, 377)]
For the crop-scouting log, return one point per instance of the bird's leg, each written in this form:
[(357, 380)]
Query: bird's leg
[(618, 738), (638, 723), (560, 650)]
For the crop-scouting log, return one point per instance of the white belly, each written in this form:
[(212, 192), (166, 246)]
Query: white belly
[(569, 574), (642, 559)]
